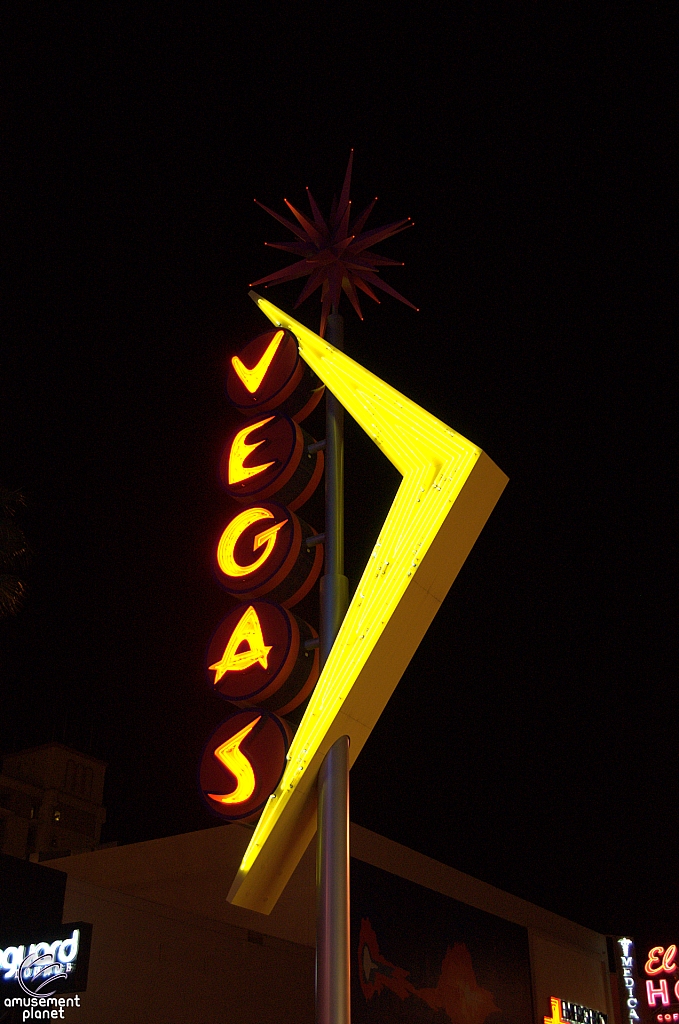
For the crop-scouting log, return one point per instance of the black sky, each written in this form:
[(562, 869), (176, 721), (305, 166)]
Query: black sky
[(532, 742)]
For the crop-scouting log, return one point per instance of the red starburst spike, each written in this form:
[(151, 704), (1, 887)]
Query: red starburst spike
[(316, 279), (370, 260), (312, 231), (360, 283), (298, 248), (374, 280), (350, 292), (357, 226), (333, 255), (346, 187), (295, 270), (343, 227), (282, 220), (370, 238), (319, 219)]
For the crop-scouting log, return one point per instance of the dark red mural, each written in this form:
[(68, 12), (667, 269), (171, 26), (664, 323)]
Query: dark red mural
[(422, 958)]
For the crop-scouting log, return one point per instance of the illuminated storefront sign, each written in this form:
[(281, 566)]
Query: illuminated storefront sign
[(270, 455), (448, 490), (58, 962), (626, 971), (269, 374), (263, 550), (564, 1012), (662, 982), (243, 762), (262, 654)]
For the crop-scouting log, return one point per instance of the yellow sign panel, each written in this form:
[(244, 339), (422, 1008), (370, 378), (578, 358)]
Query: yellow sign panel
[(449, 489)]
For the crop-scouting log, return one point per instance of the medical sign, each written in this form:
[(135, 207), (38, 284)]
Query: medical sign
[(269, 374), (661, 970), (628, 982), (243, 762), (263, 654), (56, 962)]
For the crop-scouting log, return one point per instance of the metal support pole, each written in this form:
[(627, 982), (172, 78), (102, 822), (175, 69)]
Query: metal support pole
[(334, 584), (332, 888), (332, 850)]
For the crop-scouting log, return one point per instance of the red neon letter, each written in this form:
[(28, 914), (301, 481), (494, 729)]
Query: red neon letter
[(661, 960), (660, 993), (235, 761), (240, 449), (227, 543), (556, 1017), (248, 631), (253, 377), (668, 964)]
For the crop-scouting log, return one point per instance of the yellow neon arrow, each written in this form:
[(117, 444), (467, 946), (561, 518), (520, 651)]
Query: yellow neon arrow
[(235, 761), (448, 490), (252, 378)]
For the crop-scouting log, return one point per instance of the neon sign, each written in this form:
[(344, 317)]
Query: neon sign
[(235, 531), (661, 960), (288, 465), (59, 962), (448, 490), (627, 979), (264, 655), (276, 560), (235, 761), (662, 994), (64, 951), (269, 374), (239, 450), (248, 631), (252, 378), (564, 1012), (242, 762)]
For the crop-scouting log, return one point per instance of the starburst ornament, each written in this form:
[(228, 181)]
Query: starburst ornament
[(335, 255)]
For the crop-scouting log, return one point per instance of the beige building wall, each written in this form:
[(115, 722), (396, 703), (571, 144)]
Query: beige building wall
[(166, 945)]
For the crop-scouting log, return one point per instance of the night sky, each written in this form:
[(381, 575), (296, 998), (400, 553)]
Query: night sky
[(532, 741)]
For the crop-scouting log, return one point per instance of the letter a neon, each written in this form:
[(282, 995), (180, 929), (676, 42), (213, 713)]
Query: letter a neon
[(248, 631)]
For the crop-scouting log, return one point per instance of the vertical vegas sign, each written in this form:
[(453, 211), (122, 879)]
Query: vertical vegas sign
[(264, 659)]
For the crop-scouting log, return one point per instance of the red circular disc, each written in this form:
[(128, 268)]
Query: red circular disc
[(258, 656), (269, 455), (269, 374), (262, 550), (243, 762)]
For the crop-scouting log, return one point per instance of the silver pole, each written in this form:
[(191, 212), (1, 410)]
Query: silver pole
[(332, 850), (332, 888)]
